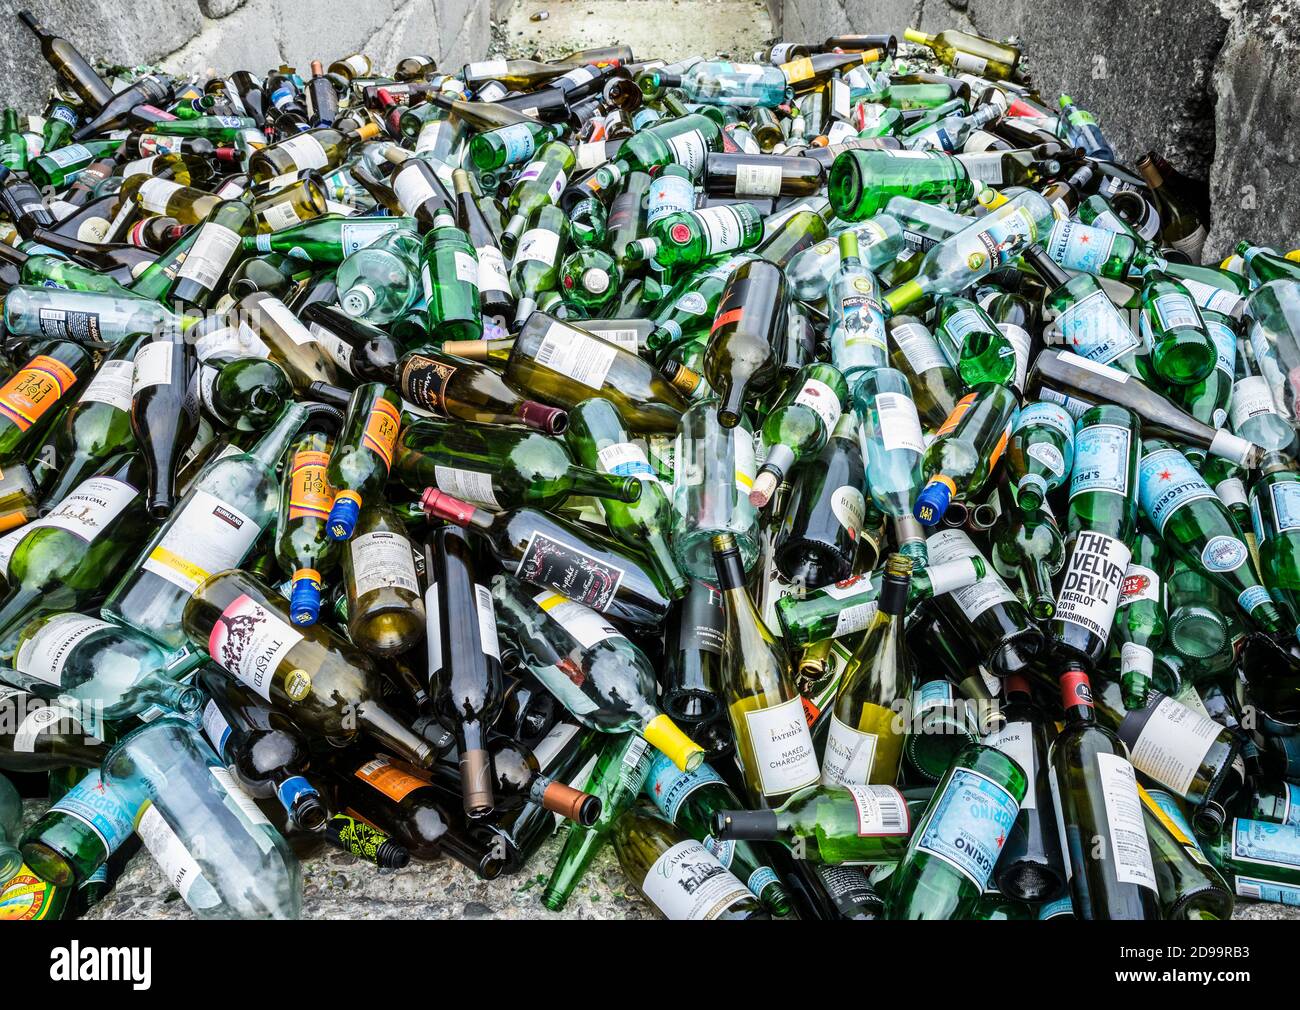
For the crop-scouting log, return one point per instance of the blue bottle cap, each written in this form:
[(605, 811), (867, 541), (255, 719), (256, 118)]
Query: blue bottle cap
[(933, 501), (304, 602), (343, 515)]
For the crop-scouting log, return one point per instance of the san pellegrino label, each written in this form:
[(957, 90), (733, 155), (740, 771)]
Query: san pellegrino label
[(968, 825)]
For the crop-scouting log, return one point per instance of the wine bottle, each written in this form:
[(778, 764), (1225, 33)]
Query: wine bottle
[(1099, 814), (164, 417), (242, 394), (1182, 352), (1188, 885), (464, 660), (495, 296), (322, 148), (1041, 453), (862, 182), (449, 272), (214, 253), (772, 738), (363, 454), (749, 324), (799, 425), (966, 449), (37, 735), (464, 390), (28, 398), (617, 689), (892, 441), (69, 64), (691, 685), (385, 612), (303, 548)]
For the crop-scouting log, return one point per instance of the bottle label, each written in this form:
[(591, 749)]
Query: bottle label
[(538, 244), (34, 389), (1263, 844), (723, 228), (1285, 496), (168, 851), (689, 883), (487, 68), (626, 459), (1175, 310), (985, 168), (1129, 850), (357, 234), (382, 428), (1090, 591), (238, 341), (919, 347), (38, 720), (1048, 415), (517, 140), (569, 570), (90, 802), (758, 180), (1169, 741), (967, 64), (1101, 460), (1140, 583), (586, 626), (669, 787), (111, 385), (154, 194), (206, 536), (990, 591), (1016, 741), (210, 254), (81, 326), (1225, 344), (1224, 554), (425, 381), (670, 194), (215, 727), (89, 510), (251, 642), (46, 653), (899, 426), (849, 507), (1216, 299), (882, 811), (822, 400), (850, 754), (1094, 330), (385, 777), (854, 618), (305, 151), (1251, 397), (240, 803), (1078, 246), (689, 149), (152, 367), (280, 215), (968, 825), (1048, 455), (382, 560), (310, 495), (491, 267), (1167, 482), (783, 747), (467, 485), (412, 189), (1258, 889), (573, 353)]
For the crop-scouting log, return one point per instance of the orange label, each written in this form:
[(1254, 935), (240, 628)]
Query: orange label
[(390, 780), (12, 521), (798, 70), (35, 388), (731, 316), (999, 448), (382, 426), (310, 494), (958, 412)]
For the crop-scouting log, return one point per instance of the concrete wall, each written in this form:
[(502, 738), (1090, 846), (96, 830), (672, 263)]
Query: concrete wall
[(257, 35), (1213, 84)]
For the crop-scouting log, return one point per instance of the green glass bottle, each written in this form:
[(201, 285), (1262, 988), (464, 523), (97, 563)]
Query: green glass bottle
[(1266, 265), (540, 183), (243, 394), (966, 449), (589, 281), (1182, 352), (1197, 526), (1189, 886), (329, 239), (861, 182), (536, 266), (56, 169), (78, 833), (828, 825), (1028, 552), (599, 440), (1140, 616), (799, 425), (1101, 526), (865, 742), (1041, 454), (687, 310), (934, 383), (1209, 399), (215, 252), (972, 342), (363, 454), (689, 238), (303, 548), (1275, 516), (495, 149), (1260, 860), (449, 272), (956, 843), (31, 398)]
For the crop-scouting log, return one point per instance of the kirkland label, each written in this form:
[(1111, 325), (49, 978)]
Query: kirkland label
[(382, 560), (1090, 591), (207, 536), (969, 824), (1101, 460)]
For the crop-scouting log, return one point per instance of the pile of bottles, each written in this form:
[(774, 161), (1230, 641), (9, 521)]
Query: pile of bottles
[(833, 480)]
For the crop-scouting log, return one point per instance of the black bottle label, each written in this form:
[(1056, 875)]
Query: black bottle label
[(580, 576), (703, 620)]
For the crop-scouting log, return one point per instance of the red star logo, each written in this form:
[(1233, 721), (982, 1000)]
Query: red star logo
[(1165, 474), (1083, 240), (1002, 837), (659, 788)]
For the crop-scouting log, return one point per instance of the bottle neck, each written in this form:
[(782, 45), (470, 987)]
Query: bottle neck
[(272, 446), (596, 484), (391, 732), (1076, 697)]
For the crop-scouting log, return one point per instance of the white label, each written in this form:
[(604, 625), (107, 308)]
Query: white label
[(919, 347), (382, 560), (9, 543), (900, 428), (411, 189), (586, 626), (689, 883), (990, 591), (881, 810), (1128, 834), (722, 228), (283, 316), (626, 459), (487, 622), (466, 267), (335, 347), (850, 507), (111, 385), (239, 341), (539, 244), (983, 167), (153, 366), (591, 155), (1090, 592), (1140, 583), (783, 747), (467, 485), (857, 617), (168, 851), (280, 215), (153, 194), (577, 355), (305, 151), (822, 400), (1049, 455), (208, 257), (241, 800), (88, 510), (206, 536), (758, 180), (1231, 491), (251, 642), (849, 756), (44, 655), (433, 626), (689, 150), (487, 68), (1016, 741), (491, 267), (215, 726), (1251, 397), (1173, 743)]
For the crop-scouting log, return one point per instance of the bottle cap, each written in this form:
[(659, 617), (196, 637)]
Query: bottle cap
[(356, 300), (304, 601), (932, 502), (551, 420), (684, 752), (343, 515), (742, 824), (439, 505), (583, 808), (476, 781), (765, 485)]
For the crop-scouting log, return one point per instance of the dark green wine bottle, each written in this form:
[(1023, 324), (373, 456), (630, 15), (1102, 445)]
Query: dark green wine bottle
[(363, 454)]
